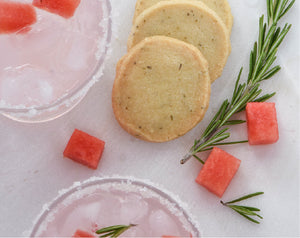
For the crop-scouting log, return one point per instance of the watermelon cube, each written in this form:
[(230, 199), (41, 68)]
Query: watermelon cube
[(15, 16), (218, 171), (262, 123), (84, 149), (80, 233), (64, 8)]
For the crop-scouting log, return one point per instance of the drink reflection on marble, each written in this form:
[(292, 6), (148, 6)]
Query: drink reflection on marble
[(53, 63), (104, 202)]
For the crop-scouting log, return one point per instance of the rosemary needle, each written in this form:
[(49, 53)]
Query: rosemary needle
[(113, 231), (261, 60), (245, 211)]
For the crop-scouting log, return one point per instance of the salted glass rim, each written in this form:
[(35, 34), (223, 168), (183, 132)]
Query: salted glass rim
[(84, 86), (80, 186)]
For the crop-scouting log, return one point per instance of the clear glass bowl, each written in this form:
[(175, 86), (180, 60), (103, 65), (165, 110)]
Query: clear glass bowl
[(48, 70), (115, 201)]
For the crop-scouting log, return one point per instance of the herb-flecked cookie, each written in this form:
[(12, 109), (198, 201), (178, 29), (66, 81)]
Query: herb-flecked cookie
[(161, 89), (221, 7), (189, 21)]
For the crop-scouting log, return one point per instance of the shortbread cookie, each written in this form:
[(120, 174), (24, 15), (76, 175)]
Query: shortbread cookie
[(221, 7), (161, 90), (189, 21)]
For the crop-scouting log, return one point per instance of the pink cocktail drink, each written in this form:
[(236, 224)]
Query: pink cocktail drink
[(105, 202), (54, 62)]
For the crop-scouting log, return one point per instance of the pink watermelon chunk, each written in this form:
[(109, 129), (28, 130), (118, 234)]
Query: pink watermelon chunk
[(80, 233), (84, 149), (64, 8), (218, 171), (15, 16), (262, 123)]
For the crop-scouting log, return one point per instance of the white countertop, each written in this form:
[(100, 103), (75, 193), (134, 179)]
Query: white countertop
[(33, 169)]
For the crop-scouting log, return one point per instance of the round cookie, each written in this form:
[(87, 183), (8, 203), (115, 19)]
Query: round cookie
[(221, 7), (161, 89), (189, 21)]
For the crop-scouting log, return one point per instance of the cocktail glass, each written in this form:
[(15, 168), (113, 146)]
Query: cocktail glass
[(102, 202), (46, 71)]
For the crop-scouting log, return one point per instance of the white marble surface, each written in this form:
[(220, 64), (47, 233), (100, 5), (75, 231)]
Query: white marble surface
[(33, 169)]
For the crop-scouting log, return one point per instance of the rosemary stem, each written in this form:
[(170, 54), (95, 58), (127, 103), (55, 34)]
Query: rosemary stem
[(186, 158), (262, 57)]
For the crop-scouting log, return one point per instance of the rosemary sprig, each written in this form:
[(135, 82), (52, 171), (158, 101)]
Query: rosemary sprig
[(113, 231), (261, 60), (245, 211)]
